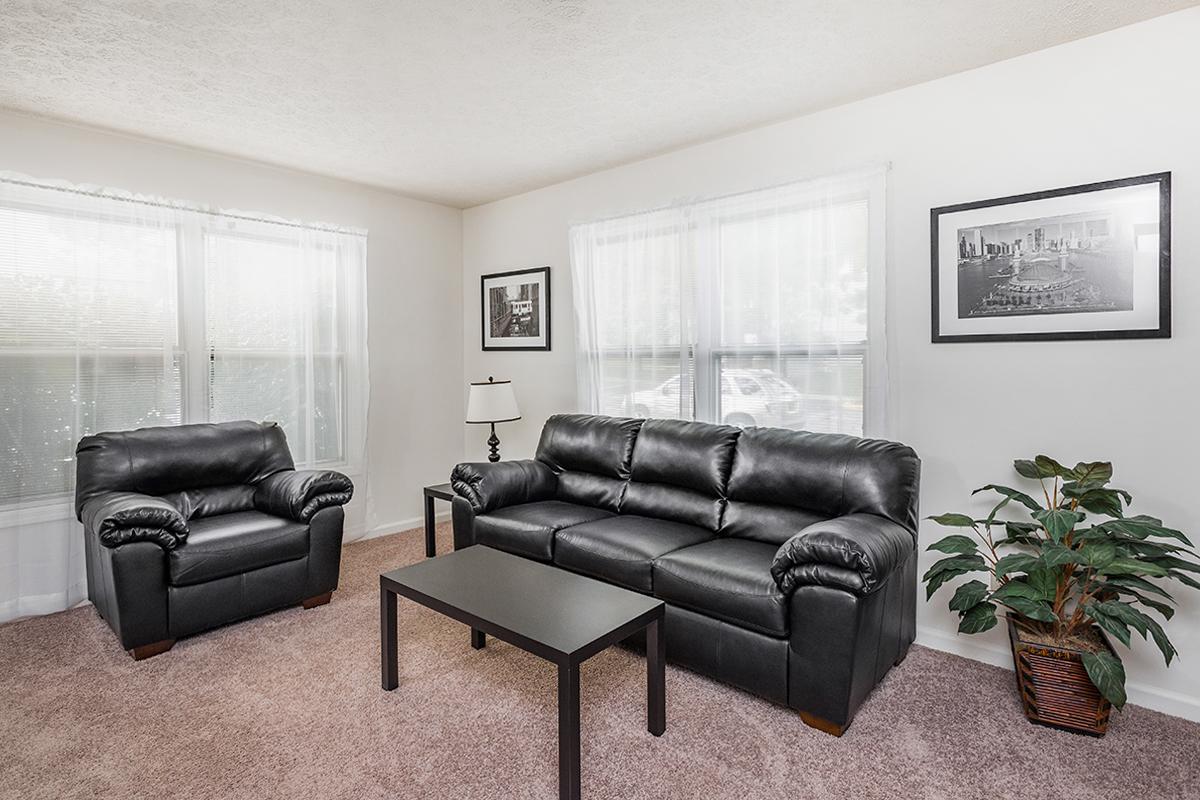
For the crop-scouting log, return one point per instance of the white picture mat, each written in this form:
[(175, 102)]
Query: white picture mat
[(1144, 200), (506, 281)]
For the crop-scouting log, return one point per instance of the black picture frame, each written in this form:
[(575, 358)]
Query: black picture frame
[(1163, 331), (543, 278)]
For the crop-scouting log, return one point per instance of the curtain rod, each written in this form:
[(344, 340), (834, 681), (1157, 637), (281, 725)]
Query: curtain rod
[(181, 207)]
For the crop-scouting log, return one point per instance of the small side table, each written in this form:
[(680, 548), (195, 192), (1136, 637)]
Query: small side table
[(443, 491)]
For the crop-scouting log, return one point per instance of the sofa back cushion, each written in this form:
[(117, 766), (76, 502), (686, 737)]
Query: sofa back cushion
[(679, 472), (591, 456), (159, 461), (211, 501), (783, 480)]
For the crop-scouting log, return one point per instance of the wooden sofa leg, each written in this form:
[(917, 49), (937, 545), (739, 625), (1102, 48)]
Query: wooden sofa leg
[(823, 725), (152, 649), (319, 600)]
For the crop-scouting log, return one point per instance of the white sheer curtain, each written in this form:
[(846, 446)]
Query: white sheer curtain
[(762, 308), (120, 311)]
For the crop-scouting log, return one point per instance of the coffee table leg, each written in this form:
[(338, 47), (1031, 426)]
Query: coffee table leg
[(656, 678), (387, 639), (430, 529), (568, 732), (478, 639)]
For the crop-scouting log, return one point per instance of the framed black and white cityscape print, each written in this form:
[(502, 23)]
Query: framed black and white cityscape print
[(516, 309), (1084, 262)]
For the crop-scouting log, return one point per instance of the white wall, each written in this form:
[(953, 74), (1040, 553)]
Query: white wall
[(1116, 105), (414, 256)]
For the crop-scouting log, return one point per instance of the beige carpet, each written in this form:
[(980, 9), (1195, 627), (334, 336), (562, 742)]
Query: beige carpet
[(289, 706)]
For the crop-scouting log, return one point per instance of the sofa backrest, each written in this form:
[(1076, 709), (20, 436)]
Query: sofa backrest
[(591, 456), (783, 481), (169, 460), (679, 471)]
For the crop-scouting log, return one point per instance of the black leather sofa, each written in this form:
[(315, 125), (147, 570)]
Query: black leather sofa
[(787, 559), (194, 526)]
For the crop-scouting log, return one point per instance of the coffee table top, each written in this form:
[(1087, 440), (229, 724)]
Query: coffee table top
[(541, 608)]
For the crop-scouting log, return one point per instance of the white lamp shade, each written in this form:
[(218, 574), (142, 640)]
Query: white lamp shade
[(492, 402)]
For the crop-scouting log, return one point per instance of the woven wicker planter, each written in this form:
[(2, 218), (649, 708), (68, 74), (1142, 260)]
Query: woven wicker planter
[(1055, 688)]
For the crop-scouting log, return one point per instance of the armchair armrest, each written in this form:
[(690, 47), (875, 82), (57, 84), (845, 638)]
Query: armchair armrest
[(118, 518), (489, 485), (298, 494), (856, 552)]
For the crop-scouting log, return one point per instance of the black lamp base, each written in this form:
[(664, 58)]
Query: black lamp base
[(493, 446)]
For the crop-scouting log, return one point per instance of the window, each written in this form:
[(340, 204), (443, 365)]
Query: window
[(764, 308), (118, 313)]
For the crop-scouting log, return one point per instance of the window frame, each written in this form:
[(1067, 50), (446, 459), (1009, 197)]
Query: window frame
[(708, 350), (191, 349)]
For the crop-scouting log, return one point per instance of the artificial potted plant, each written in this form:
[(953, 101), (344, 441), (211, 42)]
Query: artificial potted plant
[(1075, 569)]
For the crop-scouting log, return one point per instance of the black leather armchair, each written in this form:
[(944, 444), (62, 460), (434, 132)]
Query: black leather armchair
[(194, 526), (787, 559)]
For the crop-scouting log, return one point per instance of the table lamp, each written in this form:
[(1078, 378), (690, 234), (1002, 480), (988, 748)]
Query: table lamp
[(489, 403)]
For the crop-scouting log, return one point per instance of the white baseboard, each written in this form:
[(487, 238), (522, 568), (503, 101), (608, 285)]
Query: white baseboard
[(396, 527), (1163, 700)]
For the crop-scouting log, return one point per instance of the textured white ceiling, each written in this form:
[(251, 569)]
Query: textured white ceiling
[(465, 102)]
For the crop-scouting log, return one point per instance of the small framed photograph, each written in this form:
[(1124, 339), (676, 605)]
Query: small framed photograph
[(1084, 262), (516, 309)]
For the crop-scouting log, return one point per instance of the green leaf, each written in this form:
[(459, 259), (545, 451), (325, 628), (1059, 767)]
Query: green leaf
[(1125, 613), (1171, 562), (1141, 584), (1015, 562), (954, 520), (1017, 587), (1055, 555), (969, 595), (1160, 638), (1132, 566), (967, 563), (1020, 533), (1011, 494), (1045, 581), (1058, 522), (980, 618), (1107, 675), (1162, 608), (1029, 469), (1142, 526), (956, 543), (1098, 555), (1098, 501), (1109, 623), (1100, 472), (1051, 468), (1033, 609)]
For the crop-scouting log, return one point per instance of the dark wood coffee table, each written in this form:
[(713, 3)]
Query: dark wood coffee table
[(559, 616)]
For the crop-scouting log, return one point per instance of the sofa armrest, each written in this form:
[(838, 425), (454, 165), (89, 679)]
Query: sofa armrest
[(856, 552), (298, 494), (118, 518), (490, 485)]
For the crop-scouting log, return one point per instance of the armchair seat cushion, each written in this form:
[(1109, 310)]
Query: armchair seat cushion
[(528, 529), (726, 578), (228, 544), (622, 549)]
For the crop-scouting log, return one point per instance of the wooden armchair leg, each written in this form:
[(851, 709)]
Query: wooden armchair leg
[(153, 649), (319, 600)]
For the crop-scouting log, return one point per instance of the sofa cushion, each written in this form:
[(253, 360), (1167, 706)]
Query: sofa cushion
[(591, 456), (622, 549), (679, 471), (826, 473), (528, 529), (726, 578), (228, 544), (764, 522)]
